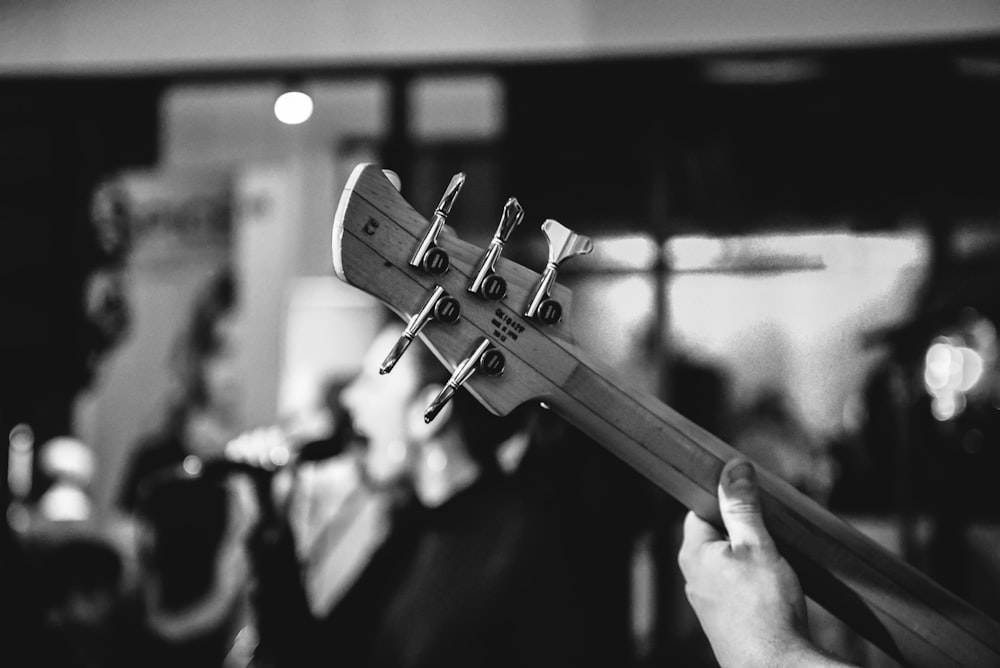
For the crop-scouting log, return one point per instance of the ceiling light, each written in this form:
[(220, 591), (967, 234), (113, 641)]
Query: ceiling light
[(293, 106)]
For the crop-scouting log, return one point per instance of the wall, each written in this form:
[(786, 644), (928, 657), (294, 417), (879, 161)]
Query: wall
[(107, 36)]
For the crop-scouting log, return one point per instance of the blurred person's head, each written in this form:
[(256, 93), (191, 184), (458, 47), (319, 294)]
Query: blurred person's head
[(206, 352), (773, 436), (205, 359), (388, 412)]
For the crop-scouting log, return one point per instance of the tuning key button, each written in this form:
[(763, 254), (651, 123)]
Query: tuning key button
[(485, 281), (447, 310), (549, 311), (564, 243), (428, 256), (493, 287), (435, 261), (492, 362), (440, 307), (485, 358)]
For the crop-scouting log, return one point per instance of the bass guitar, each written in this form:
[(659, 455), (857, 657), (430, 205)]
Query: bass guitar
[(502, 329)]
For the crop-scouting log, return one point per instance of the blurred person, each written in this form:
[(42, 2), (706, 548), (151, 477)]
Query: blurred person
[(191, 515), (747, 598), (336, 517), (204, 416), (61, 602), (769, 432), (79, 580), (323, 516), (473, 568), (604, 506), (23, 626), (340, 434), (931, 423), (191, 602)]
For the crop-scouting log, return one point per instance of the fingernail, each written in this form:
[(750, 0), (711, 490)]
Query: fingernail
[(741, 474)]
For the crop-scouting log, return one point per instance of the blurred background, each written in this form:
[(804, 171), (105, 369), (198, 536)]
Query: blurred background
[(795, 209)]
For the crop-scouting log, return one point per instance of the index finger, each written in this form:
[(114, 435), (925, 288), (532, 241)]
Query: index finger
[(697, 533)]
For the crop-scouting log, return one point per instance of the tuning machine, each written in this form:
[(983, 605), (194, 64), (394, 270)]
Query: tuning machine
[(485, 281), (564, 243), (485, 358), (428, 256), (440, 307)]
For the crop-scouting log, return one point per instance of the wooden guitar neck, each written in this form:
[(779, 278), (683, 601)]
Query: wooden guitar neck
[(884, 599), (376, 232)]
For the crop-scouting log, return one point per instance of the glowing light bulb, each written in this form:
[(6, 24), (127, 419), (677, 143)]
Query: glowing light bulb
[(437, 461), (972, 369), (192, 465), (396, 452), (293, 107)]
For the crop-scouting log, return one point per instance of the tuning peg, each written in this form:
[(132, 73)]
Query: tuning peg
[(432, 259), (485, 358), (486, 281), (440, 307), (564, 243)]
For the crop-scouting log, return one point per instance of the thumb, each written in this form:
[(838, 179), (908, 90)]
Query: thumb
[(739, 505)]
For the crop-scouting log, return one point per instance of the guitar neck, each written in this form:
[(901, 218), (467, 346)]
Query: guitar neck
[(893, 605)]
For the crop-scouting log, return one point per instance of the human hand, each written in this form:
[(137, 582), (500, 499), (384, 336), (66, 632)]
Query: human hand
[(264, 447), (746, 596), (267, 449)]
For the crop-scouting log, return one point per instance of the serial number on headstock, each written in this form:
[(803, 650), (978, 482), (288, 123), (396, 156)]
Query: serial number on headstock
[(505, 326)]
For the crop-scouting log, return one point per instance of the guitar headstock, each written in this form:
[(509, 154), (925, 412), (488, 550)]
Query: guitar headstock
[(501, 328), (422, 271)]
